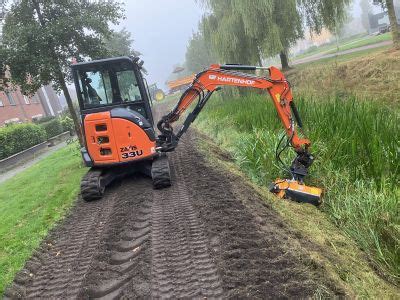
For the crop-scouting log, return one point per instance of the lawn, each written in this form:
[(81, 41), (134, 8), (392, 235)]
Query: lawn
[(370, 40), (343, 57), (31, 203), (345, 44)]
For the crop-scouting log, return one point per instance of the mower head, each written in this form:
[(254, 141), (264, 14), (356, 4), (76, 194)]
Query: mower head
[(294, 188), (296, 191)]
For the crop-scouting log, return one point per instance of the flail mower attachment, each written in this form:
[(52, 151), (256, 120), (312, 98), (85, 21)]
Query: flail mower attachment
[(294, 189)]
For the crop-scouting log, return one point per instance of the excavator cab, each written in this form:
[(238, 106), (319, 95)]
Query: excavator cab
[(113, 97), (108, 83), (117, 122)]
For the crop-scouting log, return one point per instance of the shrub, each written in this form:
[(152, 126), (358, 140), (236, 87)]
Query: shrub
[(67, 124), (43, 119), (52, 127), (16, 138)]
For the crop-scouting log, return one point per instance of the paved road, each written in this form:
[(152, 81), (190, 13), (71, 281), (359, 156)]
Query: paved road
[(321, 55), (14, 171)]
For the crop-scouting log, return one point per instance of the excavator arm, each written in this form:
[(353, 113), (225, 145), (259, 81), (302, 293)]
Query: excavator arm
[(210, 80)]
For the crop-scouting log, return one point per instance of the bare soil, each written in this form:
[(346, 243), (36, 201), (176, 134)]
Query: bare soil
[(210, 235)]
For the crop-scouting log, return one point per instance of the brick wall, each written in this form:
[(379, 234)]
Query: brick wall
[(21, 108)]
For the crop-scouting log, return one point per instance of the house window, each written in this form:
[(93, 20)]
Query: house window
[(10, 98), (1, 103), (26, 100)]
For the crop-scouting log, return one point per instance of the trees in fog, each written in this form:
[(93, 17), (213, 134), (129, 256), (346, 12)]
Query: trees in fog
[(248, 31)]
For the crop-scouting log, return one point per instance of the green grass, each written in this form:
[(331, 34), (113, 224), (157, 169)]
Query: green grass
[(345, 44), (328, 46), (31, 203), (363, 42), (342, 58), (356, 144)]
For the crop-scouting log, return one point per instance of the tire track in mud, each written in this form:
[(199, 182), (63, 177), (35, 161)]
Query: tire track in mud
[(256, 254), (122, 266), (58, 269), (182, 266), (156, 249)]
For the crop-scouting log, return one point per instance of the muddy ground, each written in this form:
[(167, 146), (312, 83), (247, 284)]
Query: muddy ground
[(210, 235)]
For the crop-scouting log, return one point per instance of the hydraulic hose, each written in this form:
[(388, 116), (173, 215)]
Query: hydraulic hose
[(296, 114)]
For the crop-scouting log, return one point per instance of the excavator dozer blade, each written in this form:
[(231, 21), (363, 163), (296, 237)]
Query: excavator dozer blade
[(293, 190)]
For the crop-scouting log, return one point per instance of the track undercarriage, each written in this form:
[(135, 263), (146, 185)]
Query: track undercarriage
[(96, 180)]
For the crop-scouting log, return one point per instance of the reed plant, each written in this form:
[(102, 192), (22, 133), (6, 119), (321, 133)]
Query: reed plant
[(356, 143)]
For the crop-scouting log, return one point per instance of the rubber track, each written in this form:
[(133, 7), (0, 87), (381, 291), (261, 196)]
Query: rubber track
[(59, 271), (160, 172), (181, 263), (90, 189)]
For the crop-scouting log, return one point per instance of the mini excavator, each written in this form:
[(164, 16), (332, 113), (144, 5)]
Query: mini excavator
[(118, 124)]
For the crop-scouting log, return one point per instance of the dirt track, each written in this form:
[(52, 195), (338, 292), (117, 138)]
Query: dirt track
[(209, 235)]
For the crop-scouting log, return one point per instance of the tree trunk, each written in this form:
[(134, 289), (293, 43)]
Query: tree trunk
[(259, 59), (284, 60), (61, 81), (77, 123), (394, 26)]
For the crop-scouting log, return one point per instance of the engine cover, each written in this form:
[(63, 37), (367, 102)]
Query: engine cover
[(111, 140)]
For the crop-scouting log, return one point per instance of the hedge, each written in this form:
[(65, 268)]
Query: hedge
[(67, 124), (52, 127), (16, 138), (44, 119)]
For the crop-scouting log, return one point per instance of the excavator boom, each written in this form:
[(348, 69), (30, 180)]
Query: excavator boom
[(210, 80)]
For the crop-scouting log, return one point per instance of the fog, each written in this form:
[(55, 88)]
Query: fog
[(161, 30)]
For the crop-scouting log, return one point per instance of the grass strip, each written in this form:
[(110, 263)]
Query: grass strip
[(362, 42), (344, 44), (31, 203)]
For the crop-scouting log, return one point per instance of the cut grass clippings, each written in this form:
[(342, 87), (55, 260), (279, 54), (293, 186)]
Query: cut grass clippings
[(31, 203), (368, 74)]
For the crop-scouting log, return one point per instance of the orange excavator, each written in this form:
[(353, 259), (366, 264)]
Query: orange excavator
[(119, 131)]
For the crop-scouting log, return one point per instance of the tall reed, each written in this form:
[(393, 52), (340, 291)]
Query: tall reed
[(356, 143)]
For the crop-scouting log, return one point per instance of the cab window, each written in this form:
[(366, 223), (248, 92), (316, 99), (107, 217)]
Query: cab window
[(96, 88), (128, 86), (108, 84)]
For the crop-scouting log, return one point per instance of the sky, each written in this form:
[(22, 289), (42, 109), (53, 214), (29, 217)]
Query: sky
[(161, 30)]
